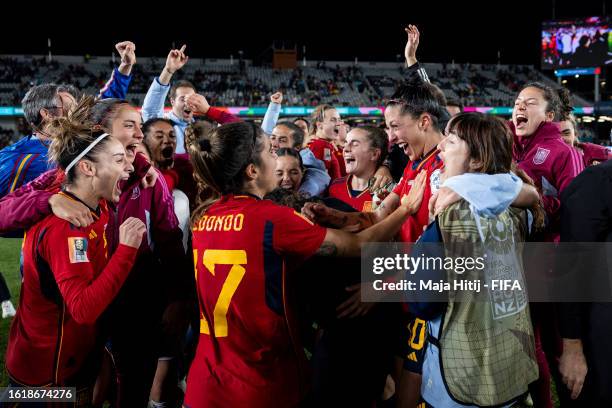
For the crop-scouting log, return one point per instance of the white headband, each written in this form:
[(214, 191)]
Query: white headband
[(84, 152)]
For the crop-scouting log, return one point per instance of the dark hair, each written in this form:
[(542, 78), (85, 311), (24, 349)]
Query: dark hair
[(196, 131), (572, 119), (296, 133), (283, 151), (104, 111), (558, 101), (181, 84), (565, 108), (490, 141), (71, 135), (437, 93), (378, 140), (147, 125), (303, 120), (455, 102), (220, 158), (416, 97), (291, 199)]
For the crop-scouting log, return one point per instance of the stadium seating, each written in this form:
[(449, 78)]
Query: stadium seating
[(224, 82)]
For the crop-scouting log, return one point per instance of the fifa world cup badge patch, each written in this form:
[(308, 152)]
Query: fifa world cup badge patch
[(541, 155), (77, 249), (326, 155)]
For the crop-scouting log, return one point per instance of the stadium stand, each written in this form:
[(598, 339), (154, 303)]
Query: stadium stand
[(228, 83)]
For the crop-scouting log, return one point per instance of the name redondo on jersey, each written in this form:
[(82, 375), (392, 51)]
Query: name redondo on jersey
[(230, 222)]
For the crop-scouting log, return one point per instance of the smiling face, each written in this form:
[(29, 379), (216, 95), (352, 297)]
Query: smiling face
[(455, 154), (179, 106), (289, 174), (530, 110), (126, 128), (404, 131), (161, 141), (110, 168), (282, 137), (568, 132), (359, 156)]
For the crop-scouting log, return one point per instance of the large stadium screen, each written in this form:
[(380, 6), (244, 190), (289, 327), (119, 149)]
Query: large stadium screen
[(576, 43)]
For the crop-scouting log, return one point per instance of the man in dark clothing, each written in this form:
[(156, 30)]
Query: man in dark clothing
[(586, 205)]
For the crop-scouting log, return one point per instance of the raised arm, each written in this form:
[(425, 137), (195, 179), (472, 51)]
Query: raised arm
[(120, 79), (153, 104), (412, 44), (199, 105), (273, 113)]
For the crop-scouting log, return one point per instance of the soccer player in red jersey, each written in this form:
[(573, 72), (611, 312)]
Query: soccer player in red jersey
[(412, 117), (326, 122), (244, 248), (365, 150), (339, 143), (68, 280)]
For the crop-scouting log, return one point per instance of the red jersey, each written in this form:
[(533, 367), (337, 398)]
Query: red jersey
[(339, 153), (413, 227), (324, 151), (359, 200), (67, 283), (246, 355)]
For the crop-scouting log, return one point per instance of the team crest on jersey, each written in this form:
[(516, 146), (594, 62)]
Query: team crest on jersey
[(135, 193), (434, 181), (77, 249), (541, 155), (326, 154)]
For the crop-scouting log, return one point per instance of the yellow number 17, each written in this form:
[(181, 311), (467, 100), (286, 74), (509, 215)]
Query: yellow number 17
[(210, 259)]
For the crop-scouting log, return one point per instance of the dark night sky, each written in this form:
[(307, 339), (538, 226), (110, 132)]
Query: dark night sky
[(462, 30)]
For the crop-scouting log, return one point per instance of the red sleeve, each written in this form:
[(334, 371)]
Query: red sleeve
[(569, 167), (141, 168), (296, 235), (171, 177), (165, 230), (317, 150), (85, 298), (29, 204), (334, 169), (221, 116), (401, 185)]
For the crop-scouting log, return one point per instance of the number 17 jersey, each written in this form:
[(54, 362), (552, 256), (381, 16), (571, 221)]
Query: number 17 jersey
[(247, 355)]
